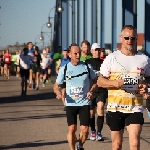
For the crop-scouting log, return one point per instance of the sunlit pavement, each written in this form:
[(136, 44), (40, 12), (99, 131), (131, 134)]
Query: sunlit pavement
[(38, 122)]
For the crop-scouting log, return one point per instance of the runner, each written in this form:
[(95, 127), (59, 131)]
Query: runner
[(78, 95), (2, 62), (30, 52), (36, 68), (122, 73), (58, 55), (100, 96), (85, 51), (49, 55), (17, 63), (7, 64), (44, 67), (24, 63)]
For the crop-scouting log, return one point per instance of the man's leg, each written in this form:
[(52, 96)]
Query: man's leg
[(37, 80), (116, 123), (134, 131), (22, 85), (33, 78), (84, 116), (71, 136), (134, 123), (49, 73), (5, 70), (84, 132), (71, 113), (30, 77), (92, 122), (8, 71), (100, 119), (117, 138)]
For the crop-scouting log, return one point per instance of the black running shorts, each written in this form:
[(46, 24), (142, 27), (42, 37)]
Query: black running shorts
[(73, 111), (36, 69), (99, 97), (118, 120)]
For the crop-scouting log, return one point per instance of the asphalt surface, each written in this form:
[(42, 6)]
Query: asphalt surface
[(38, 122)]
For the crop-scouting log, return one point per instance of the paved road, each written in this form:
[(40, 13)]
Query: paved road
[(38, 122)]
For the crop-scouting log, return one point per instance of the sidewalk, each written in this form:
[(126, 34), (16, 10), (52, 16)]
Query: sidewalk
[(38, 122)]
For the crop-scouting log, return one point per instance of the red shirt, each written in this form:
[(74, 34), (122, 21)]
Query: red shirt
[(7, 58)]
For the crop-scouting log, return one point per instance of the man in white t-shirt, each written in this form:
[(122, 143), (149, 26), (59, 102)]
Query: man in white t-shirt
[(44, 67), (122, 72)]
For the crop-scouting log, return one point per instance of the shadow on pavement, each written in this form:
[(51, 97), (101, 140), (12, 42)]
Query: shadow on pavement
[(31, 144), (33, 117), (41, 96)]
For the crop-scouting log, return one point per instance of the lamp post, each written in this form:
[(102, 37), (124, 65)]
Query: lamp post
[(37, 37), (59, 9), (42, 37), (49, 24), (73, 21)]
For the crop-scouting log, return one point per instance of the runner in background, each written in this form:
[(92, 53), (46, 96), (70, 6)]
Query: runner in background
[(2, 62), (36, 68), (24, 63), (30, 52), (85, 50), (7, 64), (17, 63), (44, 67), (58, 55), (49, 55)]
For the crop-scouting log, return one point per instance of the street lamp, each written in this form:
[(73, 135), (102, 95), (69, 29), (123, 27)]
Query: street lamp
[(37, 37), (59, 9), (42, 36)]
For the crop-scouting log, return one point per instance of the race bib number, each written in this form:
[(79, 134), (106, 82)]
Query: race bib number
[(6, 59), (76, 92), (131, 83)]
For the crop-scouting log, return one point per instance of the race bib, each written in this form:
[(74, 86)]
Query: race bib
[(76, 92), (6, 59), (131, 83)]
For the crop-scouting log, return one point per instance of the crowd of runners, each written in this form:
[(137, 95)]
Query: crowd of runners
[(86, 79)]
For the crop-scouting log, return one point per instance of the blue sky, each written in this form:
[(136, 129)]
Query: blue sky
[(21, 20)]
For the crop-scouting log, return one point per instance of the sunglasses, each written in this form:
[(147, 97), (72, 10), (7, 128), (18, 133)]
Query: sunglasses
[(130, 37)]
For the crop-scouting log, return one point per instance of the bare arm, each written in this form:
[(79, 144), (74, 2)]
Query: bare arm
[(93, 85), (106, 83), (58, 66), (57, 91)]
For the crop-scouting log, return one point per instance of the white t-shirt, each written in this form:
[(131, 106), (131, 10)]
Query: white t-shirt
[(132, 69), (45, 62)]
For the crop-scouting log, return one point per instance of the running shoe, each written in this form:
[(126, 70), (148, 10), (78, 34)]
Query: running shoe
[(93, 136), (79, 148), (99, 137), (43, 85), (36, 88)]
